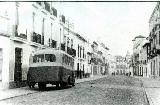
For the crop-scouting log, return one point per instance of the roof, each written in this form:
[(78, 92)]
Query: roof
[(80, 37), (76, 34), (139, 36), (146, 43), (95, 43), (106, 48), (50, 51), (155, 9)]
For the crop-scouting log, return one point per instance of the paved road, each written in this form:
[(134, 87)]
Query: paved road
[(111, 90)]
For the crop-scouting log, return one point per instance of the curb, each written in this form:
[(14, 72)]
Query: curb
[(148, 98), (17, 96)]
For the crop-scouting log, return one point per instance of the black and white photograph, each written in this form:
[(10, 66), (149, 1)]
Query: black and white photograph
[(79, 52)]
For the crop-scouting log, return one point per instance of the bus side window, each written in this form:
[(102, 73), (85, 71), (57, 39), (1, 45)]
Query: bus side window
[(41, 57), (34, 58), (50, 57), (65, 59), (47, 57)]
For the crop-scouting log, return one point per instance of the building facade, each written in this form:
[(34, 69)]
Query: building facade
[(29, 26), (137, 44), (154, 39), (121, 65)]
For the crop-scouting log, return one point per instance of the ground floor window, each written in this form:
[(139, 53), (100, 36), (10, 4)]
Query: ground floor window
[(1, 62)]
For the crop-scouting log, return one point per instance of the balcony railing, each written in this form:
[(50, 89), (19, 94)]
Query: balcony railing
[(23, 36), (54, 44), (158, 51), (37, 38), (94, 61), (62, 47), (39, 3), (71, 51), (54, 11), (47, 6)]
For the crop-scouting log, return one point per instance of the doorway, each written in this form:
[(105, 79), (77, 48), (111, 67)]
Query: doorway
[(18, 65)]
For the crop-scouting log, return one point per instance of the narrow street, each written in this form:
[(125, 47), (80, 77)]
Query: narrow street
[(111, 90)]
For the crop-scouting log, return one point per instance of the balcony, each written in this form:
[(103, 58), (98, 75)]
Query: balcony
[(94, 61), (54, 11), (39, 3), (37, 38), (63, 18), (71, 51), (47, 6), (54, 44), (158, 51), (23, 36), (62, 47)]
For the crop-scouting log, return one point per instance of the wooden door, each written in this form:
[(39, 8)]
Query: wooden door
[(18, 65)]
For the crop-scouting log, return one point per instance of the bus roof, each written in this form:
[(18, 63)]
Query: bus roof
[(50, 51)]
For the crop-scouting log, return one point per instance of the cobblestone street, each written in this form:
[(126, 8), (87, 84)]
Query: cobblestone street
[(111, 90)]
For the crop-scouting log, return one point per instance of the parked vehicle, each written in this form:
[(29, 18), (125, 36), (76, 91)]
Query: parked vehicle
[(51, 66)]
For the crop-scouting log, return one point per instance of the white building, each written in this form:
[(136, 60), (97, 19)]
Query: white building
[(27, 26), (76, 42)]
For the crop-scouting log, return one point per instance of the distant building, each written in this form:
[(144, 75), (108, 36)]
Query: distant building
[(111, 64), (121, 65), (137, 41), (129, 70), (99, 64)]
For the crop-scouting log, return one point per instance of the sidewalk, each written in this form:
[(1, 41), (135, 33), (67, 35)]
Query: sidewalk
[(9, 93), (152, 89)]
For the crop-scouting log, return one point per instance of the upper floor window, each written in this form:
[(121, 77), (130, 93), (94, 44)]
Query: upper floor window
[(54, 11), (71, 43), (38, 3), (47, 6)]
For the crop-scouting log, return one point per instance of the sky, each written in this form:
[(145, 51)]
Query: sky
[(113, 23)]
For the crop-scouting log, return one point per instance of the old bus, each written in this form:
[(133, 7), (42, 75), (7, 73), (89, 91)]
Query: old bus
[(51, 66)]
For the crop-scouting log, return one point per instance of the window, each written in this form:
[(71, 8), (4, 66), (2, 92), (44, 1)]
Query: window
[(68, 42), (39, 3), (159, 37), (38, 58), (78, 50), (47, 6), (64, 41), (43, 26), (71, 43), (1, 63), (50, 58), (33, 20), (54, 11), (51, 29)]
